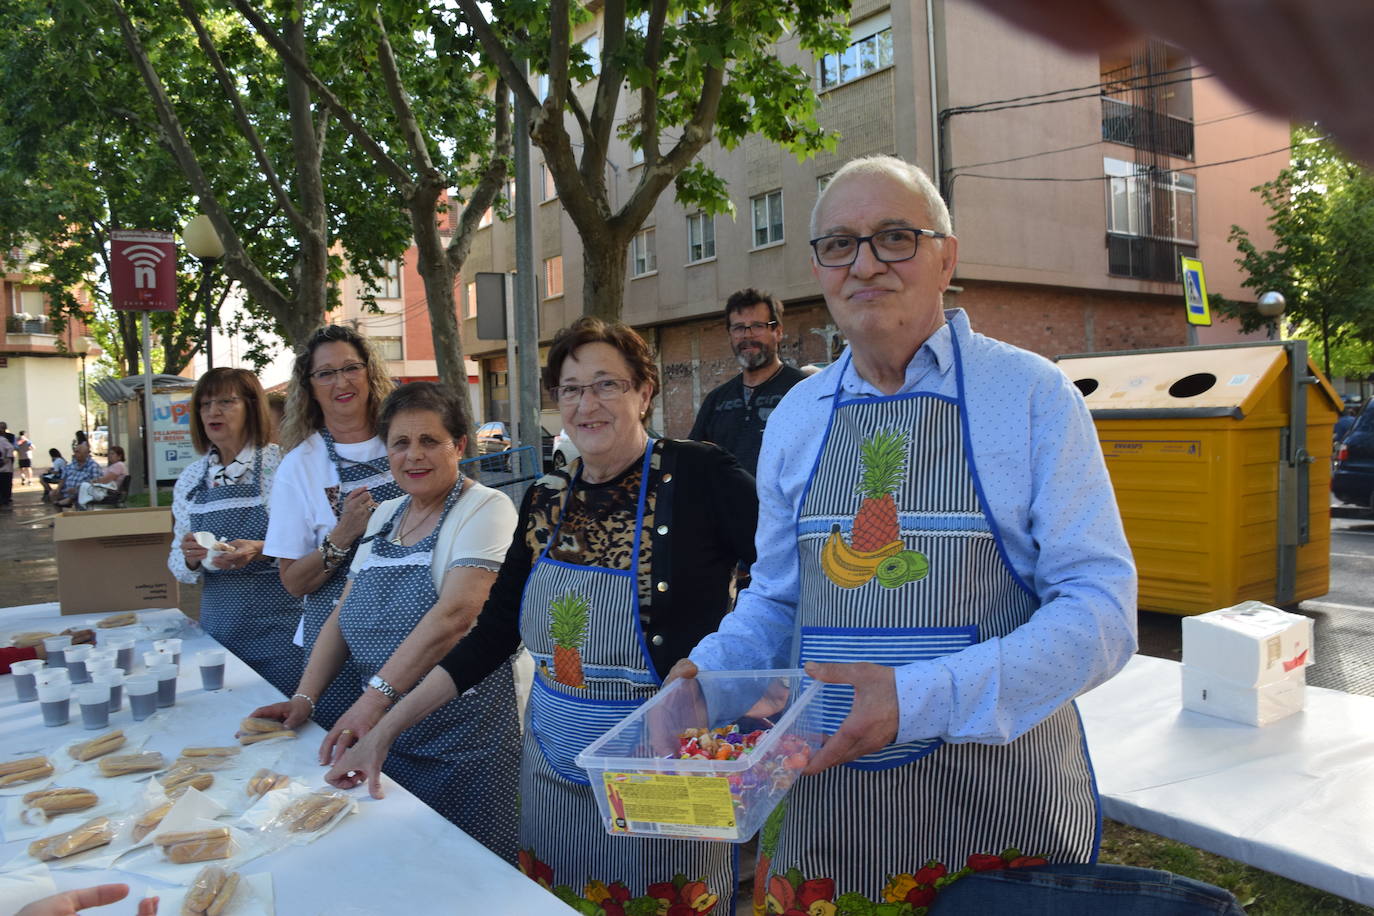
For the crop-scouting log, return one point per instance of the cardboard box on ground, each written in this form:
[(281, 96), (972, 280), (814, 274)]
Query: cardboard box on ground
[(114, 560), (1247, 663)]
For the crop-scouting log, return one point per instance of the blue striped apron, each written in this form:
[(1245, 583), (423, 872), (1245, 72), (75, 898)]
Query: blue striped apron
[(460, 759), (319, 604), (925, 581), (572, 703), (248, 610)]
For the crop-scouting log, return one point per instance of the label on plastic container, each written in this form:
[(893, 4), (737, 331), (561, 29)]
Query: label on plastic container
[(655, 798)]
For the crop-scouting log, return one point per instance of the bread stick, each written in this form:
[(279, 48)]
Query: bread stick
[(226, 893), (177, 780), (209, 751), (61, 801), (203, 890), (266, 736), (257, 724), (313, 812), (265, 781), (185, 846), (26, 770), (30, 639), (93, 833), (126, 619), (99, 745), (124, 764), (150, 819)]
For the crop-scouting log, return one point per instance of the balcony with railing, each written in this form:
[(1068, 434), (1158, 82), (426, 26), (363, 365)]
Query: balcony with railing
[(1141, 128), (1146, 258)]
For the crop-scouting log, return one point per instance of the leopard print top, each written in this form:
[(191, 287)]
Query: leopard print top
[(598, 529)]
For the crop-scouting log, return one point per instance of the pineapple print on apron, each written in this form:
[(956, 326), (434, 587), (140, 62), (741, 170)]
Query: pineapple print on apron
[(900, 561), (592, 668)]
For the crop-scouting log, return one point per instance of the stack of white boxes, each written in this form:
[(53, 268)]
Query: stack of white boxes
[(1247, 663)]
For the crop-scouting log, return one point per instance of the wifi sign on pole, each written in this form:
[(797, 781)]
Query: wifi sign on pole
[(143, 271)]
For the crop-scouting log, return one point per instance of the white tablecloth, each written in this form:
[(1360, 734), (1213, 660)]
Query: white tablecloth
[(1295, 797), (395, 855)]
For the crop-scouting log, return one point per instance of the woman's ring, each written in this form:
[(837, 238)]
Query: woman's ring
[(346, 731)]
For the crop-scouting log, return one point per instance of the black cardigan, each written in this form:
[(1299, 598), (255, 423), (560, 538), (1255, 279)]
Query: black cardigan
[(705, 513)]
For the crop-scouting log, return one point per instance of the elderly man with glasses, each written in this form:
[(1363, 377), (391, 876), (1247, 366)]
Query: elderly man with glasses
[(734, 415), (940, 545)]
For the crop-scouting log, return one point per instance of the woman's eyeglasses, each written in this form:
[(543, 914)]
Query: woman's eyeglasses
[(222, 404), (606, 389), (330, 376)]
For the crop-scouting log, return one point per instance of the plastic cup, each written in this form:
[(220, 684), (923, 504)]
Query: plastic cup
[(25, 678), (142, 691), (124, 651), (170, 647), (56, 648), (211, 662), (166, 676), (52, 676), (94, 700), (55, 702), (113, 679), (157, 659), (99, 664), (76, 664)]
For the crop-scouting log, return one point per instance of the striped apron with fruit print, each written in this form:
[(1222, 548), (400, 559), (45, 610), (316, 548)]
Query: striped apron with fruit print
[(592, 668), (901, 561)]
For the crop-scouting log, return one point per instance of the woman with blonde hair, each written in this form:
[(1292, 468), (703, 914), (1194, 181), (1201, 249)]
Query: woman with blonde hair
[(334, 474), (226, 492)]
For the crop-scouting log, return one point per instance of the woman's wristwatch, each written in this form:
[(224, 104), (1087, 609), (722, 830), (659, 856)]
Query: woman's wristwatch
[(377, 683), (331, 553)]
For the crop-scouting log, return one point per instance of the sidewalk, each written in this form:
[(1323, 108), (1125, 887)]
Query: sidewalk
[(28, 562)]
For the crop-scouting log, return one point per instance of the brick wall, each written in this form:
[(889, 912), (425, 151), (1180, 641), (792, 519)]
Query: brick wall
[(695, 356)]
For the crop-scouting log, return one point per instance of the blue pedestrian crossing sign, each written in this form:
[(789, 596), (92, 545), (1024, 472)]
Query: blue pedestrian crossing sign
[(1195, 292)]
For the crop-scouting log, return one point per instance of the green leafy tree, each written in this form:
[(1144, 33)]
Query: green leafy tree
[(388, 56), (1322, 260), (289, 260), (698, 70), (75, 164)]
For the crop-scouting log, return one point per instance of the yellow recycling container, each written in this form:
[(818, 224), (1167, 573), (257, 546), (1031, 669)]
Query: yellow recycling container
[(1221, 461)]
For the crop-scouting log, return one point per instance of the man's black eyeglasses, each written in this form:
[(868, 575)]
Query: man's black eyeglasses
[(889, 246), (752, 327)]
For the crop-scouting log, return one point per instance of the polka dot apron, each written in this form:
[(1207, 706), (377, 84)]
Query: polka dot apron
[(460, 759), (248, 610), (319, 604)]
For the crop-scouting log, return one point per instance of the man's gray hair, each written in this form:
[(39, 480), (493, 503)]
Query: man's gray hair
[(898, 170)]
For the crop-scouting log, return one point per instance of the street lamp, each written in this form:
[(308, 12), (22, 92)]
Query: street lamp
[(1271, 306), (203, 243)]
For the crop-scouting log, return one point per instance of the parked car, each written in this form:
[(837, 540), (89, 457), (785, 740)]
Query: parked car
[(563, 450), (1352, 479), (99, 440), (492, 437)]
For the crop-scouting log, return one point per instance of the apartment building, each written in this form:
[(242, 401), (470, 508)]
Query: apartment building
[(1076, 182), (41, 368)]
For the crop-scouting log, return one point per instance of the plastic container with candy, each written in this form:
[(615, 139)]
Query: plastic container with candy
[(707, 757)]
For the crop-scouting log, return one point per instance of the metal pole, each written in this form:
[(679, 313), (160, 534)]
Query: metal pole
[(206, 264), (148, 446), (526, 297), (512, 377)]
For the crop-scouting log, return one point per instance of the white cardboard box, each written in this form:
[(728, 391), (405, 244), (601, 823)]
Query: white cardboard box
[(1249, 645), (1208, 692)]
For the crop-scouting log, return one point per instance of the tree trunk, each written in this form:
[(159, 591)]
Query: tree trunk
[(132, 338), (603, 277), (438, 279)]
